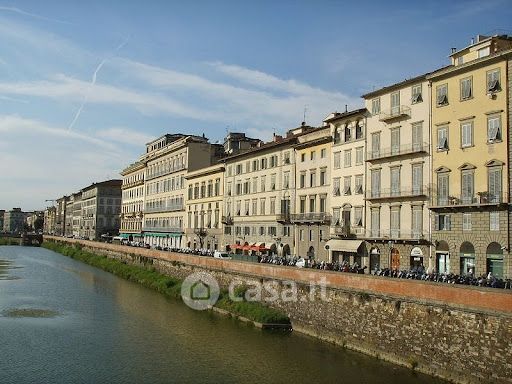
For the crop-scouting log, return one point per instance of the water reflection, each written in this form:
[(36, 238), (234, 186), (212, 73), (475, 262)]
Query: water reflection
[(111, 330)]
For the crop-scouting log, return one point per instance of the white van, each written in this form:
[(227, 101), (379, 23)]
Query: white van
[(221, 255)]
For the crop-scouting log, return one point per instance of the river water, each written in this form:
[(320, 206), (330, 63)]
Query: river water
[(62, 321)]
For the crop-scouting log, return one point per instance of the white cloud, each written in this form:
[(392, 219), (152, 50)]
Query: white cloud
[(25, 13), (125, 135)]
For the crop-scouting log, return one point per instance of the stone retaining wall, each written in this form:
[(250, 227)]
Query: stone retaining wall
[(460, 333)]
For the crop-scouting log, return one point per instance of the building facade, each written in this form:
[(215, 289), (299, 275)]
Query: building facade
[(2, 213), (398, 175), (101, 209), (14, 221), (471, 159), (60, 216), (49, 220), (347, 202), (68, 220), (168, 160), (204, 208), (77, 214), (312, 218), (259, 190), (132, 210)]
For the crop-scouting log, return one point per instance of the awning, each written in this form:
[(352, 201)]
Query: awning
[(235, 246), (343, 245), (157, 234)]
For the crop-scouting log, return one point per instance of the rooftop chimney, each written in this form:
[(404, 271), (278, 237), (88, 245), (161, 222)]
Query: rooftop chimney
[(346, 108), (472, 41), (454, 49)]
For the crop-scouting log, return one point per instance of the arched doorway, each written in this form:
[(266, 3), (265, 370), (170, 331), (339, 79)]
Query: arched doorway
[(416, 257), (442, 257), (374, 258), (286, 250), (311, 253), (494, 260), (273, 249), (467, 258), (395, 259)]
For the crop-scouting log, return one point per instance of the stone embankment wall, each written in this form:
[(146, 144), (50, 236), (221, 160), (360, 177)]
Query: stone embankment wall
[(460, 333)]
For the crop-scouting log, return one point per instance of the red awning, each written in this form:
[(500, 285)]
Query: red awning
[(235, 246)]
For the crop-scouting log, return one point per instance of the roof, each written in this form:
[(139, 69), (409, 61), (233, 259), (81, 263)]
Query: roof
[(106, 183), (338, 116), (394, 86)]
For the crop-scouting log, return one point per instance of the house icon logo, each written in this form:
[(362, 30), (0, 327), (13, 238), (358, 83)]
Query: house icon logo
[(200, 291)]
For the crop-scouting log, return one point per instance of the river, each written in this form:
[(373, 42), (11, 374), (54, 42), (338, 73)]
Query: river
[(62, 321)]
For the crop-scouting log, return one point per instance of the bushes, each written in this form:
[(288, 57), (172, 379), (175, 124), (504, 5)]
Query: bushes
[(168, 285)]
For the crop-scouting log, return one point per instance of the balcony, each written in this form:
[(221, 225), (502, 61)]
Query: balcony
[(395, 113), (346, 230), (165, 208), (479, 199), (315, 217), (164, 172), (132, 184), (227, 220), (397, 234), (163, 229), (283, 218), (397, 193), (402, 150)]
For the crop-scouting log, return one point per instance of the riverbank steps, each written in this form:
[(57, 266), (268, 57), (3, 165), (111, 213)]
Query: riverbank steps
[(462, 334), (145, 274)]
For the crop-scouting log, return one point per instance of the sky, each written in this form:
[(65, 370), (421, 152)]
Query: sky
[(85, 84)]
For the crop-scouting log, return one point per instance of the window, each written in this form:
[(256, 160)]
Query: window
[(272, 205), (323, 179), (255, 207), (323, 204), (358, 185), (287, 157), (263, 182), (323, 153), (442, 95), (247, 207), (417, 136), (493, 81), (395, 103), (417, 178), (286, 180), (337, 160), (466, 221), (348, 135), (312, 155), (347, 181), (335, 216), (358, 216), (348, 158), (417, 222), (468, 186), (484, 52), (376, 183), (303, 157), (493, 129), (395, 141), (466, 135), (312, 179), (466, 88), (302, 204), (273, 182), (303, 180), (375, 145), (442, 222), (376, 106), (416, 94), (255, 164), (311, 238), (336, 186), (442, 138), (312, 204), (301, 235), (238, 169), (359, 155), (442, 188), (262, 207), (375, 230), (395, 222), (494, 221), (494, 184), (254, 184), (395, 181)]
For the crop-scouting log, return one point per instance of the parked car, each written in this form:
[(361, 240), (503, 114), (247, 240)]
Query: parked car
[(221, 255)]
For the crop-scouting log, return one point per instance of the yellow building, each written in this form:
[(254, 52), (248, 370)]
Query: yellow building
[(470, 159), (204, 207), (132, 209)]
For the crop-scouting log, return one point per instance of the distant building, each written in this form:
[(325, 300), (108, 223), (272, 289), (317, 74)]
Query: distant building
[(14, 220), (101, 208), (77, 214), (132, 209), (49, 220), (68, 217), (60, 217), (32, 217), (2, 213)]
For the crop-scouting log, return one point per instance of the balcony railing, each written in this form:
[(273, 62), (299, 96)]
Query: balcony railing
[(346, 231), (283, 218), (165, 208), (316, 217), (396, 234), (480, 198), (399, 150), (227, 220), (164, 172), (395, 112), (397, 193), (163, 229)]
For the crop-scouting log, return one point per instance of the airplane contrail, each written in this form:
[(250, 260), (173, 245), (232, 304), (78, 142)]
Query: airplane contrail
[(25, 13), (91, 85)]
